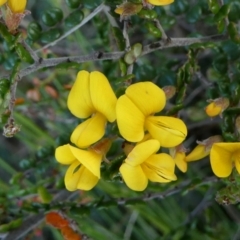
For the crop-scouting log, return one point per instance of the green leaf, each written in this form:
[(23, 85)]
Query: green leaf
[(50, 35), (73, 3), (233, 32), (194, 14), (222, 13), (52, 17), (34, 31), (74, 18)]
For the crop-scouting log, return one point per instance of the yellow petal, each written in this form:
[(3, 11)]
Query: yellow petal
[(142, 151), (90, 131), (134, 177), (64, 155), (237, 165), (169, 131), (230, 147), (147, 96), (221, 161), (180, 161), (79, 100), (90, 159), (17, 6), (86, 179), (197, 153), (130, 120), (72, 176), (160, 2), (160, 168), (102, 95), (2, 2)]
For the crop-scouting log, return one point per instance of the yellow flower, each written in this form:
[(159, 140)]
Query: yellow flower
[(84, 170), (160, 2), (216, 106), (203, 148), (142, 164), (91, 96), (135, 111), (223, 157)]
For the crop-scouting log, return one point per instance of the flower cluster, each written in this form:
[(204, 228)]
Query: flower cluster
[(92, 97)]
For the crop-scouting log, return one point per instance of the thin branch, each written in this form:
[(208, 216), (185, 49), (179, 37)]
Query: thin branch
[(159, 26), (83, 22), (30, 50), (33, 221), (110, 18), (128, 44), (100, 56), (163, 195)]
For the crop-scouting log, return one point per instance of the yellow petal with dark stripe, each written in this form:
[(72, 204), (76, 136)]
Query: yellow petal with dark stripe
[(142, 151), (89, 159), (169, 131), (160, 168)]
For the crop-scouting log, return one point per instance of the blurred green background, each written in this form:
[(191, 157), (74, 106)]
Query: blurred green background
[(27, 160)]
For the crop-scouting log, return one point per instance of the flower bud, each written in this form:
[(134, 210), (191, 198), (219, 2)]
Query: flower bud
[(128, 9), (216, 106)]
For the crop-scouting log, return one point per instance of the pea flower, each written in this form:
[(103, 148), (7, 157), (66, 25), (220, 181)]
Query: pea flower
[(217, 106), (91, 96), (160, 2), (223, 157), (135, 110), (84, 170), (143, 164)]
